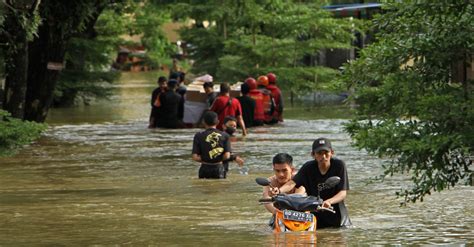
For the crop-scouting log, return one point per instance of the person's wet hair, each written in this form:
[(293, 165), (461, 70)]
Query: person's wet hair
[(162, 79), (229, 118), (210, 118), (172, 83), (225, 88), (244, 89), (181, 76), (174, 75), (282, 158), (208, 84)]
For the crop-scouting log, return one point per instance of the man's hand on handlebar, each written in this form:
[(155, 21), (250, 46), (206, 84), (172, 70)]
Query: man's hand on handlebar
[(273, 191), (326, 204), (330, 209)]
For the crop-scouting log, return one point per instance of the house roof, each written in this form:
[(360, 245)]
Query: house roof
[(354, 9)]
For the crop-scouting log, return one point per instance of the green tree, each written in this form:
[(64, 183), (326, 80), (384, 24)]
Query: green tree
[(18, 27), (18, 24), (414, 99), (90, 52), (65, 20), (82, 35), (255, 37), (148, 20)]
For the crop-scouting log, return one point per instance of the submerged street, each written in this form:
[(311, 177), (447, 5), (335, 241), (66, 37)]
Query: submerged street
[(99, 176)]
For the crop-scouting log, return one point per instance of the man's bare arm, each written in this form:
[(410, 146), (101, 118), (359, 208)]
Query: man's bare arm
[(283, 189), (197, 157), (339, 197), (241, 122)]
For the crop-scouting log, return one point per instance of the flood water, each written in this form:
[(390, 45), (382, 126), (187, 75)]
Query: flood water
[(99, 177)]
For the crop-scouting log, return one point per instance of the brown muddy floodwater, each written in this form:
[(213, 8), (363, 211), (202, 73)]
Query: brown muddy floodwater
[(99, 177)]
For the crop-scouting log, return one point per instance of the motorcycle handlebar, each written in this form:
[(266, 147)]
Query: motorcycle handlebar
[(331, 209), (265, 200)]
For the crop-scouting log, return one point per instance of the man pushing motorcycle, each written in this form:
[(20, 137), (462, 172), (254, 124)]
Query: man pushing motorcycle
[(312, 176)]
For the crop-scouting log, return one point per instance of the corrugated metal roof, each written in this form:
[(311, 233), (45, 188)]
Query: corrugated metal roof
[(353, 6)]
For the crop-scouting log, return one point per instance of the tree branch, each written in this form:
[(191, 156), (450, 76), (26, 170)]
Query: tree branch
[(8, 37), (34, 7), (9, 5)]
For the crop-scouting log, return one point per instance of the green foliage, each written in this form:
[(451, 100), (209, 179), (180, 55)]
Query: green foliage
[(72, 84), (90, 53), (412, 106), (206, 49), (21, 14), (147, 21), (15, 133), (254, 37)]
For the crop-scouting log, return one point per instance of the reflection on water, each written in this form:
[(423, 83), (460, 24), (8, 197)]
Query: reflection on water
[(98, 176)]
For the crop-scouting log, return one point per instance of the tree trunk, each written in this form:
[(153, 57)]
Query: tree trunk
[(48, 47), (16, 70)]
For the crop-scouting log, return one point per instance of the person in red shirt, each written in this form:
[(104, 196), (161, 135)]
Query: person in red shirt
[(224, 105), (268, 102), (257, 95), (276, 93)]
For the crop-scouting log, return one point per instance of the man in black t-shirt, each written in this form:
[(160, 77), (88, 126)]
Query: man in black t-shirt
[(155, 101), (315, 172), (211, 147), (211, 95), (172, 107), (248, 105)]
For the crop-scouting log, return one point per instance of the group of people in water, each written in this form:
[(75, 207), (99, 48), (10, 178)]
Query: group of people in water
[(307, 180), (212, 149), (260, 103), (167, 102)]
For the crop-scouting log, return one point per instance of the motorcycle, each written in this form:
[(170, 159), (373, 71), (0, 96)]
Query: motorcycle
[(294, 210)]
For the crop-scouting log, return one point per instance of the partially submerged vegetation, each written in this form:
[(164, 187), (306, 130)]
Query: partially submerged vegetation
[(15, 133)]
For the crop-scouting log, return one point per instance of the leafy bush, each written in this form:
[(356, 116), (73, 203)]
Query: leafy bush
[(413, 108), (15, 133)]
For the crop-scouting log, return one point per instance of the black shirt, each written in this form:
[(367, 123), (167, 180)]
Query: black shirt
[(155, 111), (171, 110), (210, 98), (181, 90), (248, 109), (309, 176), (211, 145)]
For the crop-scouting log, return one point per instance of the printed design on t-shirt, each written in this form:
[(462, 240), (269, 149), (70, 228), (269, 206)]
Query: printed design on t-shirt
[(213, 139), (323, 186)]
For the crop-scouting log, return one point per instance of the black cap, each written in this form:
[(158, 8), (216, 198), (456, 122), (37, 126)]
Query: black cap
[(322, 144)]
